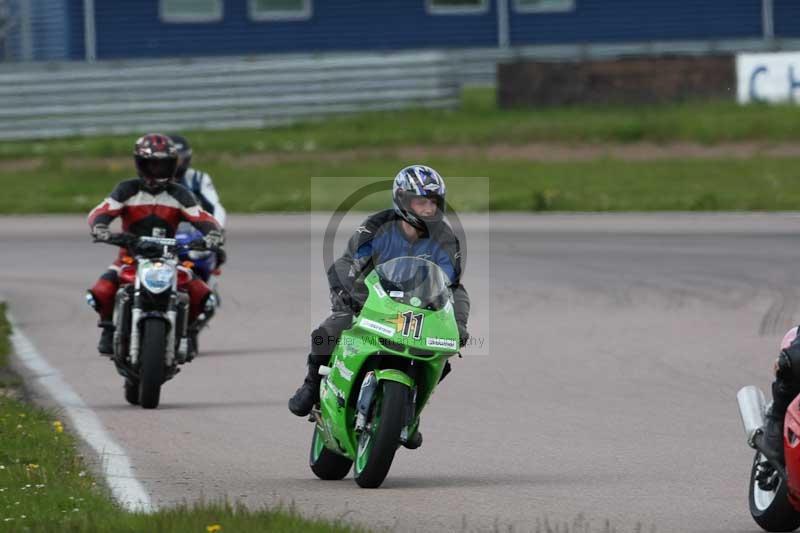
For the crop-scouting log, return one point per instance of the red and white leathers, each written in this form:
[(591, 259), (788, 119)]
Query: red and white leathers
[(141, 212)]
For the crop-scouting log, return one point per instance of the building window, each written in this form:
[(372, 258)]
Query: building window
[(279, 9), (543, 6), (456, 7), (190, 10)]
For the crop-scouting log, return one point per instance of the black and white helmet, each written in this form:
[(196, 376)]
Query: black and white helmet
[(418, 181)]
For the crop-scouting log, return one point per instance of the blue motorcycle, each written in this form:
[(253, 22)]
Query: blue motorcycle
[(204, 262), (205, 265)]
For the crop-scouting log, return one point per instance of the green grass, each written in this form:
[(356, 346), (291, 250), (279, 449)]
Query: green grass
[(45, 486), (598, 185), (477, 121), (269, 170)]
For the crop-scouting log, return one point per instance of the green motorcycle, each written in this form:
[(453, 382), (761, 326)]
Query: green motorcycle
[(383, 371)]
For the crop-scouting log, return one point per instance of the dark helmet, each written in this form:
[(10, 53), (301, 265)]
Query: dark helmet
[(418, 181), (156, 159), (184, 154)]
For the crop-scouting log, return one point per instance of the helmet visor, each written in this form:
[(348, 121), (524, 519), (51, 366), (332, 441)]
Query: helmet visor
[(411, 204), (156, 168)]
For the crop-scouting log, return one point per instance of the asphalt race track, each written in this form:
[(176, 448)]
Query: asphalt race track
[(614, 346)]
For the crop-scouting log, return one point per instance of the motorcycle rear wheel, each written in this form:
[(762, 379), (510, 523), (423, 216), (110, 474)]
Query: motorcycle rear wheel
[(771, 509), (377, 445), (151, 371), (326, 464)]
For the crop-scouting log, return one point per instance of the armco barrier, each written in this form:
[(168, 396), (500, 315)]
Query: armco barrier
[(43, 101)]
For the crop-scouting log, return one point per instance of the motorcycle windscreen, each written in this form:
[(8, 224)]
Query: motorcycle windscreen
[(415, 281)]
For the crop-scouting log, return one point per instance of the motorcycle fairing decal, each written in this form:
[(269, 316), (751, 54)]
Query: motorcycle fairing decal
[(433, 342), (377, 327), (345, 372), (406, 322), (330, 388), (379, 290), (397, 321)]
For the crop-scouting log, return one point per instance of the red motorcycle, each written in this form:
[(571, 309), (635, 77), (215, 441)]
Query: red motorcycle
[(774, 488), (151, 312)]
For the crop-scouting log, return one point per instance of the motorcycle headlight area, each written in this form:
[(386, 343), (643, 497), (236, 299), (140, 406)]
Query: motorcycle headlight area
[(156, 277)]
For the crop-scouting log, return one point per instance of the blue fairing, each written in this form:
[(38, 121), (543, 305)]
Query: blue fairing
[(204, 262)]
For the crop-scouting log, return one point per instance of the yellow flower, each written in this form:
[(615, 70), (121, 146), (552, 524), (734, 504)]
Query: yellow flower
[(213, 528), (58, 426), (32, 466)]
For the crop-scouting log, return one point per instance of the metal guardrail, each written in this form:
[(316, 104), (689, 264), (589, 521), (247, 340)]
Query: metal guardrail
[(63, 99), (45, 101)]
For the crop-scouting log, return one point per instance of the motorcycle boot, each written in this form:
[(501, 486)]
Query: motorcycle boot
[(192, 346), (414, 441), (308, 394), (770, 440), (106, 344), (209, 308), (784, 389)]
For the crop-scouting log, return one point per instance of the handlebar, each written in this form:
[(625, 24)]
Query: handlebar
[(141, 244), (119, 239)]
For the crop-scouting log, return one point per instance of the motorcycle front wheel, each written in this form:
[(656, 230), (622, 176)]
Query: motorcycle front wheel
[(151, 371), (378, 442), (769, 499)]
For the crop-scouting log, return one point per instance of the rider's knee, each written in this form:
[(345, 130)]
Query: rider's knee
[(326, 336), (322, 343), (102, 295)]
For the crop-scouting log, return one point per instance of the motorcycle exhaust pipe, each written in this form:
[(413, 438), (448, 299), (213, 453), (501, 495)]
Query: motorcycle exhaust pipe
[(752, 407)]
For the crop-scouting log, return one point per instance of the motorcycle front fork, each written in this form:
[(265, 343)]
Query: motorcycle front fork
[(177, 316), (366, 398)]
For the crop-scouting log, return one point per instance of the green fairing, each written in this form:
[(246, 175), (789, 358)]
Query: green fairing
[(356, 354)]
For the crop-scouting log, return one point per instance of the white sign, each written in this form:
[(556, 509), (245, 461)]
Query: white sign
[(768, 77)]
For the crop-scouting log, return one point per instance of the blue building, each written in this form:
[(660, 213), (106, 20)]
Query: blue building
[(128, 29)]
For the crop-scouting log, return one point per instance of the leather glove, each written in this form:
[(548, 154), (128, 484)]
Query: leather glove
[(214, 239), (101, 232), (341, 299), (463, 335), (222, 257)]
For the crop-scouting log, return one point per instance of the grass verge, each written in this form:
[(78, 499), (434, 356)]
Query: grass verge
[(269, 169), (477, 121), (45, 487), (760, 183)]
